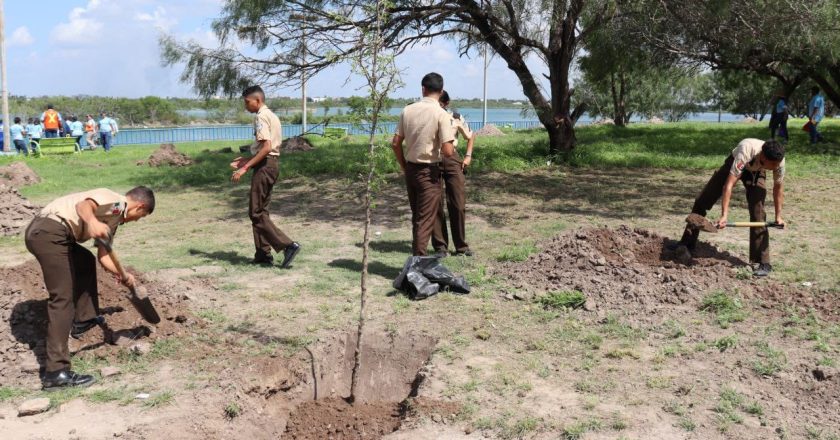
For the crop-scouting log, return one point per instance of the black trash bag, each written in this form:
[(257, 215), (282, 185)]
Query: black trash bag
[(422, 277)]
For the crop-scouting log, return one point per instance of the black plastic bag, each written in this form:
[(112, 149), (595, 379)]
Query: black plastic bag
[(422, 277)]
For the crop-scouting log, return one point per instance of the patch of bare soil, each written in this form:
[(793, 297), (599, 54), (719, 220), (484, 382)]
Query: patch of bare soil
[(23, 320), (167, 155), (489, 130), (296, 143), (18, 174), (632, 270), (389, 373), (15, 211)]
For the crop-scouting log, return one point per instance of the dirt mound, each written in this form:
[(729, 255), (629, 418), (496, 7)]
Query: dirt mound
[(633, 270), (390, 372), (18, 174), (167, 155), (15, 211), (297, 143), (23, 320), (489, 130)]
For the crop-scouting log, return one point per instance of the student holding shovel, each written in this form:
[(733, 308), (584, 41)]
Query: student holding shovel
[(748, 162), (69, 269)]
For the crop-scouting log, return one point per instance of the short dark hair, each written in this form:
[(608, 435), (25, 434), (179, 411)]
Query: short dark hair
[(50, 107), (254, 89), (74, 118), (773, 150), (444, 97), (815, 90), (17, 120), (143, 195), (433, 82)]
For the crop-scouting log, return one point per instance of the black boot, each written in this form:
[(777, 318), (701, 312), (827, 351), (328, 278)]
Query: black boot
[(763, 270), (65, 378), (79, 328), (289, 254)]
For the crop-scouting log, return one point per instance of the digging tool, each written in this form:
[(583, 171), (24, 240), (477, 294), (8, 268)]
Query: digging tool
[(697, 221), (138, 296)]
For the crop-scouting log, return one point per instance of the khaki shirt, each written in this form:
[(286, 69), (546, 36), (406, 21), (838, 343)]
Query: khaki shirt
[(746, 154), (111, 211), (267, 128), (425, 126), (461, 126)]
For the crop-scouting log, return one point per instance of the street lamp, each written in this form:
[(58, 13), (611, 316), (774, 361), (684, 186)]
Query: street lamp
[(303, 19), (7, 141)]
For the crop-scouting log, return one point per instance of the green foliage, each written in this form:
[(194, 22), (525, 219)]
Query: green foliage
[(576, 430), (743, 93), (726, 342), (563, 300), (769, 361), (11, 393), (517, 253)]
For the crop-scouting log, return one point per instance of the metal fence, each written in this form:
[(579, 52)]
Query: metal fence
[(136, 136)]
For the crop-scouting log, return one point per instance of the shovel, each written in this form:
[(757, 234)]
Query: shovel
[(138, 296), (697, 221)]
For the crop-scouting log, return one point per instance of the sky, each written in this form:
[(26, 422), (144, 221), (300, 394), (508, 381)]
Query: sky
[(110, 48)]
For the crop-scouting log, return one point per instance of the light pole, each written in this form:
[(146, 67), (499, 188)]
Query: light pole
[(484, 101), (303, 18), (7, 142)]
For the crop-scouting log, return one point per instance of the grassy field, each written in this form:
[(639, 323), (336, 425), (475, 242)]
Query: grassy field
[(608, 378)]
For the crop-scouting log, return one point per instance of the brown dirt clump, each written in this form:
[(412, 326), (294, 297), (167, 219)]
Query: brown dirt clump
[(23, 320), (167, 155), (18, 174), (15, 211), (634, 271), (296, 143), (489, 130), (335, 418)]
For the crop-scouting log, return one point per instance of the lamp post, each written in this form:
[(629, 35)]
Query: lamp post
[(484, 100), (303, 19)]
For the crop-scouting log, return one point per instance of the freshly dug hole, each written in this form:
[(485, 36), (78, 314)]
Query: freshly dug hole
[(389, 373)]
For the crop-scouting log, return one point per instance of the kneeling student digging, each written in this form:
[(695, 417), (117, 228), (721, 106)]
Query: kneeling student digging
[(748, 162), (54, 238)]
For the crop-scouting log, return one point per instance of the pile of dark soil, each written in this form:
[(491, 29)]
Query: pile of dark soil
[(23, 320), (15, 211), (296, 143), (18, 174), (167, 155), (632, 270)]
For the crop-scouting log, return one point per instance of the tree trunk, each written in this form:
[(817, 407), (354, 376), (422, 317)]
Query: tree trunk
[(831, 92), (618, 105)]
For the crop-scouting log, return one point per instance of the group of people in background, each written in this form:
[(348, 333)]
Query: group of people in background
[(780, 111), (52, 125)]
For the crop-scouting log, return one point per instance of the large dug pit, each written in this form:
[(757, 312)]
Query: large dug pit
[(390, 372), (633, 270), (23, 321)]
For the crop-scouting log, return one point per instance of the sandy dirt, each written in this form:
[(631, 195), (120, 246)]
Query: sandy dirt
[(18, 174), (489, 130), (15, 211), (167, 155), (296, 143)]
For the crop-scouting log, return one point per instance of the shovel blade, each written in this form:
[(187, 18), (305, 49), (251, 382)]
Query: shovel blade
[(140, 300), (697, 221)]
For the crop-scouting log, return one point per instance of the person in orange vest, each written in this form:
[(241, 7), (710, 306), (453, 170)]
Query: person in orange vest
[(90, 136), (52, 122)]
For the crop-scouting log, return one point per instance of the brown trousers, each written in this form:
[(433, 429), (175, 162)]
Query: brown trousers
[(755, 185), (70, 278), (266, 234), (455, 187), (424, 195)]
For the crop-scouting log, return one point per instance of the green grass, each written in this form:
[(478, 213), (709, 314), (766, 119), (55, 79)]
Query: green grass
[(159, 399), (769, 361), (726, 342), (562, 300), (576, 430), (517, 253), (11, 393), (727, 308)]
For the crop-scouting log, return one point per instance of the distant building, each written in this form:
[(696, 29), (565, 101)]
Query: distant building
[(320, 99), (516, 103)]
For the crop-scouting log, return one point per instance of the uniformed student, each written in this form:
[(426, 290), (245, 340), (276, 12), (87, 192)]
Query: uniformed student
[(454, 170), (748, 162), (54, 236), (265, 153), (427, 131)]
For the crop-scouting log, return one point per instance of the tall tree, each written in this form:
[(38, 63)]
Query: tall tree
[(786, 40), (291, 37)]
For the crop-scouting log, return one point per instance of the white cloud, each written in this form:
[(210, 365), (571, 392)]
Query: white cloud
[(82, 26), (21, 37), (158, 18)]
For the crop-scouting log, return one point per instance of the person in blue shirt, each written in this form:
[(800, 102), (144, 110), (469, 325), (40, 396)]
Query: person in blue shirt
[(35, 131), (107, 129), (779, 117), (18, 134), (76, 129), (816, 111)]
